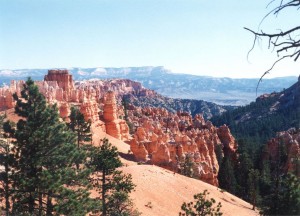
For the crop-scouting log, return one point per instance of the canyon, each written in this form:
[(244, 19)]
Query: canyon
[(160, 142), (160, 137)]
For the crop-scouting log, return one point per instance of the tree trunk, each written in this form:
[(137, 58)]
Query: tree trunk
[(78, 136), (31, 203), (40, 203), (103, 193), (6, 188), (49, 204)]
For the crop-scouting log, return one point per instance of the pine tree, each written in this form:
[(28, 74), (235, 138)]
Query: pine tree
[(242, 173), (226, 176), (290, 195), (187, 166), (253, 181), (111, 183), (284, 192), (219, 153), (45, 180), (202, 206), (6, 161), (284, 199), (82, 129), (125, 107), (265, 178), (79, 126)]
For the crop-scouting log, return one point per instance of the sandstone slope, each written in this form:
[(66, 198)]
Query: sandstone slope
[(161, 192), (166, 191)]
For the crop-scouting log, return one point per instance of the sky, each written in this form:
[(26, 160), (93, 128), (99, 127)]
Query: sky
[(199, 37)]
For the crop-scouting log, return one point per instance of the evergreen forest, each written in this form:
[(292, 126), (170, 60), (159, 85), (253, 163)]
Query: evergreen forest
[(259, 180)]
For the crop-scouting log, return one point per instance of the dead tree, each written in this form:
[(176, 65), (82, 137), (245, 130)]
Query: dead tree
[(286, 43)]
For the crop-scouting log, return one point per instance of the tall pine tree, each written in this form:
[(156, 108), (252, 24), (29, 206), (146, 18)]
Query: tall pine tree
[(79, 126), (253, 181), (45, 180), (6, 161), (112, 184), (226, 176)]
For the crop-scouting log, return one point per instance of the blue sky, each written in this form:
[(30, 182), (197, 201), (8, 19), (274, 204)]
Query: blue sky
[(186, 36)]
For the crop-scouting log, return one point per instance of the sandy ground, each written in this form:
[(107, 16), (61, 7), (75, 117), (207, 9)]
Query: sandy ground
[(161, 192)]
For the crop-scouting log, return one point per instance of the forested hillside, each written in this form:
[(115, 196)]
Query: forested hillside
[(266, 171), (260, 120)]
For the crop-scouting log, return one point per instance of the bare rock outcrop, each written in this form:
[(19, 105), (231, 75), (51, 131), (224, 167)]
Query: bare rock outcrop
[(139, 150), (162, 155), (62, 77), (229, 142), (286, 142), (59, 88), (6, 99), (6, 94), (114, 126), (167, 139), (90, 110)]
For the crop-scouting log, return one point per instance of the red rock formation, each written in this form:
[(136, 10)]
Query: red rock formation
[(6, 99), (168, 138), (228, 141), (290, 140), (90, 110), (62, 77), (139, 150), (162, 155), (64, 111), (114, 126), (6, 94), (58, 87)]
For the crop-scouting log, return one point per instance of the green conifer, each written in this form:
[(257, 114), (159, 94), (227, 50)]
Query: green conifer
[(79, 126), (226, 176), (6, 161), (202, 206), (45, 180), (113, 186)]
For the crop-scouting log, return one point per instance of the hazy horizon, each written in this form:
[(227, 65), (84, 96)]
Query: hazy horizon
[(200, 75)]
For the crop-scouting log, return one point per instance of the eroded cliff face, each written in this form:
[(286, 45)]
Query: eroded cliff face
[(167, 139), (286, 143), (6, 94), (59, 88), (62, 78), (115, 126)]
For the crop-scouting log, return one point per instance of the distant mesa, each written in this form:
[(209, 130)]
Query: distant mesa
[(57, 71)]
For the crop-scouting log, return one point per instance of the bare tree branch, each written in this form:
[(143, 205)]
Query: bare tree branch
[(268, 71), (283, 42)]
